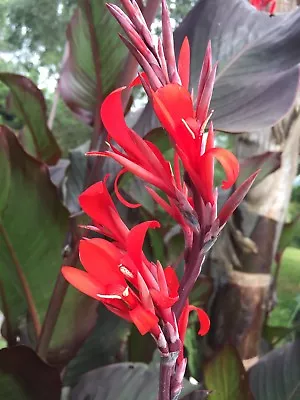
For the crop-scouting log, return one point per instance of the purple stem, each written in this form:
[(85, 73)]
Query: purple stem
[(167, 366)]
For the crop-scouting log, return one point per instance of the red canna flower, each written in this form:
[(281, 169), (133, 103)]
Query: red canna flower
[(145, 160), (183, 117), (117, 273), (185, 120)]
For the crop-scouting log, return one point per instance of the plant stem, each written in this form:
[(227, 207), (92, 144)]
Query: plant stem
[(25, 286), (191, 273), (56, 301), (167, 366)]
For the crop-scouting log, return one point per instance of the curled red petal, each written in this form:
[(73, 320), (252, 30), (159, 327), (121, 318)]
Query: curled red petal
[(229, 163), (118, 194), (184, 63), (203, 319), (143, 319)]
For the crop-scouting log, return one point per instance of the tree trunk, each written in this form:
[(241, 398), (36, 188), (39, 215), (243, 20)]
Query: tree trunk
[(241, 260)]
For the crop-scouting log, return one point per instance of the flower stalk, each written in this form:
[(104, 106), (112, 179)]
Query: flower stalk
[(117, 272)]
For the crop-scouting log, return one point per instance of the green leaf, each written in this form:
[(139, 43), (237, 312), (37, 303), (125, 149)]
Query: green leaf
[(30, 106), (33, 225), (225, 376), (276, 376), (102, 347), (123, 381), (24, 376), (287, 234), (88, 77), (267, 162)]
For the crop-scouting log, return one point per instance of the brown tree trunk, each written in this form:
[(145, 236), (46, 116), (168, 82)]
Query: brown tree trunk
[(242, 258)]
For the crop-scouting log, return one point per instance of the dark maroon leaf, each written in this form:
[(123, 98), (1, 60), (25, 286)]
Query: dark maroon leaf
[(258, 56), (267, 163), (24, 376), (276, 376), (235, 199), (58, 171)]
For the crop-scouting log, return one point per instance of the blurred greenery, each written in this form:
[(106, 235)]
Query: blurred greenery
[(288, 288)]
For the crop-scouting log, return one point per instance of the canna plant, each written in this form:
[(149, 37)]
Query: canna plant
[(117, 271)]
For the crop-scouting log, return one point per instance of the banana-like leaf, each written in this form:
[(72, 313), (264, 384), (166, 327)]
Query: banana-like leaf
[(259, 56), (225, 376), (277, 375), (94, 58), (24, 376), (30, 106), (33, 225)]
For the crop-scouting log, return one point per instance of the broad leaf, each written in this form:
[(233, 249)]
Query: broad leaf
[(30, 106), (267, 163), (76, 176), (287, 234), (33, 225), (277, 375), (102, 347), (24, 376), (258, 58), (58, 171), (94, 60), (123, 381), (225, 376)]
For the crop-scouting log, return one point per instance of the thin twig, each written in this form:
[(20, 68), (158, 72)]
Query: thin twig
[(25, 286), (58, 295)]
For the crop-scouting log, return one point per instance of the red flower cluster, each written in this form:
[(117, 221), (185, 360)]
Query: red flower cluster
[(265, 5), (118, 274)]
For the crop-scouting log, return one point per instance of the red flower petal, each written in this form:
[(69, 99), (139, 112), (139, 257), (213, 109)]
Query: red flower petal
[(82, 281), (136, 239), (172, 281), (141, 172), (97, 203), (143, 319), (229, 163), (101, 258), (203, 319), (112, 116), (161, 300), (172, 103), (118, 194), (184, 63)]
